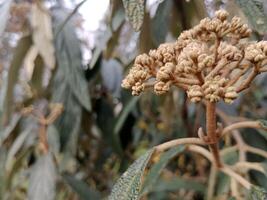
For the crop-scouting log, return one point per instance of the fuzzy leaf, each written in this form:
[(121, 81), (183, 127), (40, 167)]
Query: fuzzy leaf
[(156, 169), (135, 10), (128, 187), (43, 179), (258, 193), (254, 12)]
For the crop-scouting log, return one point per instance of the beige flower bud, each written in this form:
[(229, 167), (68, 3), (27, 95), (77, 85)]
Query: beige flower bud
[(165, 72), (195, 93), (161, 87), (230, 95), (221, 14)]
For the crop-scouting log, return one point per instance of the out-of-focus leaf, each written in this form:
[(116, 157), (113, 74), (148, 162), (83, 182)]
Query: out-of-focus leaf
[(69, 85), (125, 112), (161, 22), (16, 146), (257, 193), (42, 34), (65, 21), (107, 38), (145, 39), (223, 184), (69, 59), (20, 159), (42, 182), (156, 169), (2, 171), (254, 11), (53, 139), (118, 18), (135, 10), (4, 10), (111, 73), (68, 124), (5, 132), (128, 187), (81, 188), (37, 76), (106, 121), (19, 54), (179, 183)]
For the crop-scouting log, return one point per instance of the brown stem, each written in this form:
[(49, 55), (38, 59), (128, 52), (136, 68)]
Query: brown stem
[(247, 82), (43, 142), (211, 131)]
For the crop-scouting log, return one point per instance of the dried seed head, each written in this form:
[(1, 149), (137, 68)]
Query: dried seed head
[(206, 61)]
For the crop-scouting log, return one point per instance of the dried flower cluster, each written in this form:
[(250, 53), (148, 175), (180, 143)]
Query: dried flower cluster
[(211, 61)]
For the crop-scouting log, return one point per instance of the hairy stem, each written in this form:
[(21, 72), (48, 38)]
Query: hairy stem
[(211, 131)]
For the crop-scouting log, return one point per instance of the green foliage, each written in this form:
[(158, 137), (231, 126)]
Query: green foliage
[(128, 187)]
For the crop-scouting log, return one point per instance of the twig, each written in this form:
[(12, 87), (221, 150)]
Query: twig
[(204, 152), (249, 166), (234, 189), (255, 151), (249, 79), (243, 124), (237, 177), (173, 143), (212, 181)]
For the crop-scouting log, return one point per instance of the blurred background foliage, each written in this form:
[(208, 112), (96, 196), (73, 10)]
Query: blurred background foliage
[(68, 130)]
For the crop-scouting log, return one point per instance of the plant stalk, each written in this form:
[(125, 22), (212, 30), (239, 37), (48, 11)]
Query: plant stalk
[(211, 132)]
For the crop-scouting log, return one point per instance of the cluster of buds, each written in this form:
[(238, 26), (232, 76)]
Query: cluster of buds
[(212, 61)]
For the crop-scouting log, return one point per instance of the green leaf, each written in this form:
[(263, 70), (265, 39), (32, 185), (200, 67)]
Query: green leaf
[(156, 169), (81, 188), (254, 12), (179, 183), (20, 52), (258, 193), (135, 10), (42, 182), (128, 187)]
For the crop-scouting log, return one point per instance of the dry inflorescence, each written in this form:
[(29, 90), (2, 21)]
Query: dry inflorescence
[(211, 61)]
